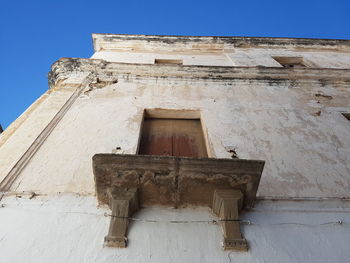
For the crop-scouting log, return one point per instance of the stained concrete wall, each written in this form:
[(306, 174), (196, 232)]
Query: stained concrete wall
[(289, 118)]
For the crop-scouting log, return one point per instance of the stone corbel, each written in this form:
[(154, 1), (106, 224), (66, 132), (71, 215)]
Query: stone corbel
[(227, 205), (123, 202)]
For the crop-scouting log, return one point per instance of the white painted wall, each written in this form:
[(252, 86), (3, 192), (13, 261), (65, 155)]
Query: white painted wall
[(70, 228)]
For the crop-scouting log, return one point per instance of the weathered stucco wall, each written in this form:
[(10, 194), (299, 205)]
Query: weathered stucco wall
[(148, 58), (306, 155), (20, 135), (291, 118), (70, 228), (247, 57), (221, 51)]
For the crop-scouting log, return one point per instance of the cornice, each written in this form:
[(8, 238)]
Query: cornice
[(202, 43), (65, 67)]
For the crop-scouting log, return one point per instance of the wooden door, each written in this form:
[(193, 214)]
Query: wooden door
[(172, 137)]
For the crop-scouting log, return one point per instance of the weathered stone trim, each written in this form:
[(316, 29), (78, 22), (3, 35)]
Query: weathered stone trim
[(226, 205), (13, 174), (123, 202), (105, 70), (175, 181), (210, 43)]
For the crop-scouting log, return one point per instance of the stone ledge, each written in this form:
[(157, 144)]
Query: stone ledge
[(175, 181)]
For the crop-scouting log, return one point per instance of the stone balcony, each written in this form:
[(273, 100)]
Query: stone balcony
[(175, 181), (128, 182)]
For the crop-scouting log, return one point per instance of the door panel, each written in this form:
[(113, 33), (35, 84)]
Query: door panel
[(175, 137)]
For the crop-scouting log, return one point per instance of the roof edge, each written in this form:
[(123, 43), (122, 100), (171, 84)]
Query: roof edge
[(100, 40)]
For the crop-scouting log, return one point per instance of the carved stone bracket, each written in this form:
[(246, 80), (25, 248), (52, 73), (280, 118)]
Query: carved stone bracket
[(226, 205), (226, 185), (123, 202)]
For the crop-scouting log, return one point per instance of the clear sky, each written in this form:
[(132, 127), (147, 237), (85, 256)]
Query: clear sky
[(34, 34)]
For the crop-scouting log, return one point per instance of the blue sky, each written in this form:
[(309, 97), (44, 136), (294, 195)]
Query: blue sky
[(34, 34)]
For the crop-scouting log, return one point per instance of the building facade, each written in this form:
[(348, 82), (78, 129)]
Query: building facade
[(183, 149)]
